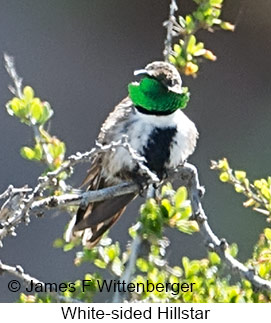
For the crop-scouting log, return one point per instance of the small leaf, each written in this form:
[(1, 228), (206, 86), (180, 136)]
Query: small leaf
[(190, 23), (249, 203), (240, 175), (224, 177), (267, 233), (13, 106), (177, 49), (180, 196), (111, 252), (191, 44), (215, 2), (28, 93), (239, 188), (266, 192), (47, 112), (36, 112), (223, 164), (38, 151), (142, 264), (27, 153), (209, 55), (263, 269), (214, 258), (58, 243), (99, 263), (258, 184), (188, 227), (68, 246), (227, 26), (233, 249)]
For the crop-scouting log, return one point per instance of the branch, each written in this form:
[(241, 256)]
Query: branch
[(169, 24), (129, 270), (220, 246), (85, 198), (18, 272), (18, 206), (17, 80), (20, 203)]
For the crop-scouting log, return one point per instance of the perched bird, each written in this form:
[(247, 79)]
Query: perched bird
[(156, 128)]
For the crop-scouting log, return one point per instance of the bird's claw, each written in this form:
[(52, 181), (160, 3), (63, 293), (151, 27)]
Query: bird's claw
[(201, 191)]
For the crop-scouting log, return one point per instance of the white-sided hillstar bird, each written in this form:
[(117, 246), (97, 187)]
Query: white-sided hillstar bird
[(156, 128)]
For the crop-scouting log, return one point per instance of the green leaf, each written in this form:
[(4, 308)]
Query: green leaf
[(58, 243), (240, 175), (68, 246), (190, 23), (224, 177), (187, 226), (47, 112), (99, 263), (258, 184), (133, 231), (267, 233), (180, 196), (27, 153), (227, 26), (177, 49), (36, 112), (233, 249), (191, 44), (266, 192), (38, 151), (239, 188), (111, 252), (165, 203), (28, 93), (263, 269), (13, 106), (214, 258), (142, 264), (215, 2)]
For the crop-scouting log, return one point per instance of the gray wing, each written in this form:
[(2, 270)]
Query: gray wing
[(98, 217)]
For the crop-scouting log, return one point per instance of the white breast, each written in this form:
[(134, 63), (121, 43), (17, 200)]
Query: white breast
[(139, 131)]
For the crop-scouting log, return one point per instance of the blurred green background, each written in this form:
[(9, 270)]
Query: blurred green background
[(80, 56)]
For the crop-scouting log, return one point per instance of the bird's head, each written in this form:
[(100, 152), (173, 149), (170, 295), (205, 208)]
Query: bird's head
[(165, 73), (160, 89)]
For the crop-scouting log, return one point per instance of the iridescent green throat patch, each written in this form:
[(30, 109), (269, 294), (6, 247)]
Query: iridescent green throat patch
[(151, 95)]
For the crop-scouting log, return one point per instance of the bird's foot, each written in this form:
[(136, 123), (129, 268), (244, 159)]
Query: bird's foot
[(201, 191), (142, 183)]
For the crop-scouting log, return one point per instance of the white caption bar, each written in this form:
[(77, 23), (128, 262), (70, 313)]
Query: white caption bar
[(134, 312)]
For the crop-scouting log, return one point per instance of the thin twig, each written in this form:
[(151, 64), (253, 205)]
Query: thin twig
[(129, 270), (17, 91), (220, 246), (17, 80), (14, 210), (169, 24)]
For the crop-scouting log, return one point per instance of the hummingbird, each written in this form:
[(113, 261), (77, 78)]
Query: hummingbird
[(156, 128)]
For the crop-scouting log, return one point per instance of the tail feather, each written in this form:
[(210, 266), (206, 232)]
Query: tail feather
[(99, 218), (90, 239), (91, 222), (102, 211)]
